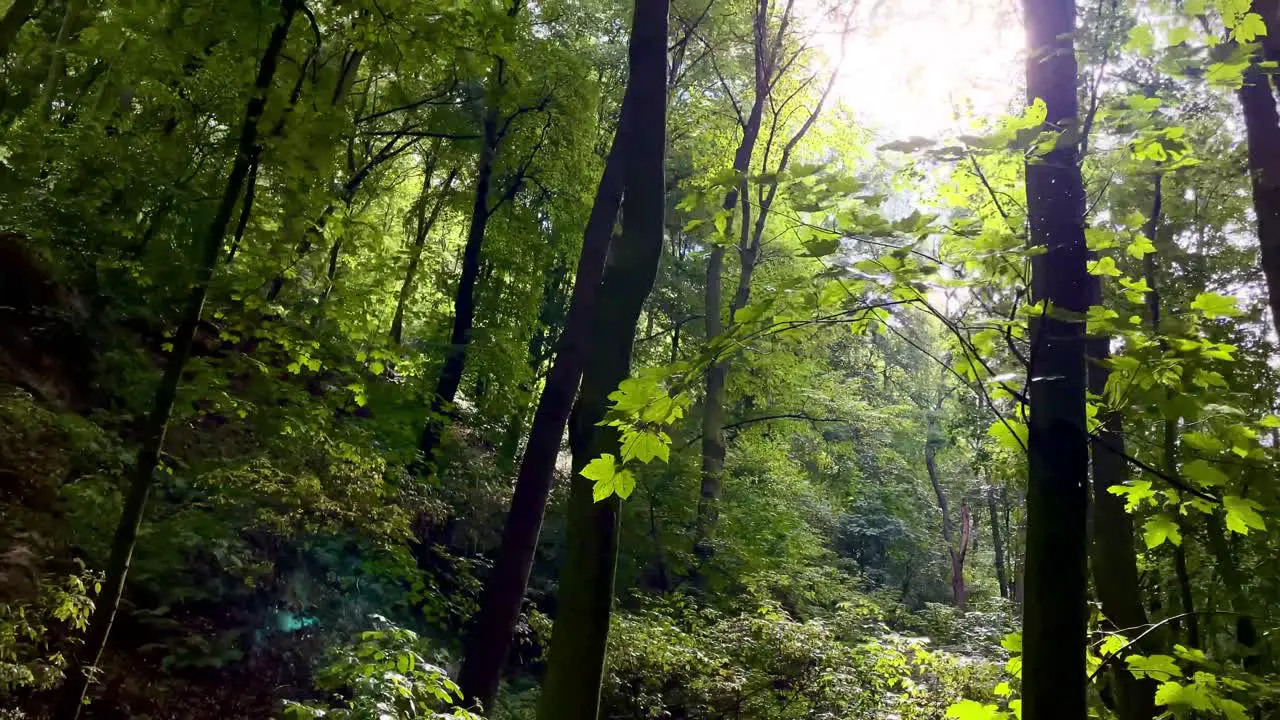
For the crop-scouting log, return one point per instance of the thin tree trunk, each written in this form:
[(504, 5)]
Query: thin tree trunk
[(1262, 130), (1114, 560), (489, 640), (246, 209), (11, 24), (1170, 438), (419, 242), (464, 299), (997, 543), (1056, 584), (73, 689), (715, 395), (581, 632), (58, 62), (954, 553)]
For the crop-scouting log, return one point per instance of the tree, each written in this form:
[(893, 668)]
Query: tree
[(157, 423), (1057, 448), (490, 638), (1262, 128), (580, 636)]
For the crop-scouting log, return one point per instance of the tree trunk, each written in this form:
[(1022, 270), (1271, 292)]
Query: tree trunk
[(425, 222), (58, 61), (1262, 130), (11, 24), (73, 689), (956, 554), (489, 640), (464, 299), (1170, 440), (1056, 585), (997, 543), (581, 633), (715, 395), (1114, 560)]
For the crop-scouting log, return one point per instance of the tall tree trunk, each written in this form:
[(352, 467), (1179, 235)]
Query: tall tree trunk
[(715, 394), (73, 689), (426, 221), (489, 640), (1262, 130), (58, 59), (955, 553), (1170, 437), (581, 633), (1114, 560), (11, 24), (1056, 585), (464, 299), (997, 543), (246, 209)]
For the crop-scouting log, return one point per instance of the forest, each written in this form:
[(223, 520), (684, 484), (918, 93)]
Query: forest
[(640, 359)]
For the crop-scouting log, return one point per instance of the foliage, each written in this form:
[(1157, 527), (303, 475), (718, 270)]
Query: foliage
[(383, 674)]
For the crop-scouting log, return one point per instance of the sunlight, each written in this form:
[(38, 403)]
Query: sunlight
[(923, 67)]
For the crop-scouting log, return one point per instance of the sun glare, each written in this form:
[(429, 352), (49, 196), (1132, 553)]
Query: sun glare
[(926, 67)]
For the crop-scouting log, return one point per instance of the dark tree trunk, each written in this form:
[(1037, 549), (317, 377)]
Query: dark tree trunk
[(1056, 585), (1170, 440), (489, 640), (143, 477), (1114, 560), (11, 24), (1262, 130), (581, 633), (464, 299), (997, 543), (246, 210)]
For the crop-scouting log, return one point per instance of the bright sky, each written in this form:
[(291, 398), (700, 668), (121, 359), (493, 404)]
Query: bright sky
[(911, 63)]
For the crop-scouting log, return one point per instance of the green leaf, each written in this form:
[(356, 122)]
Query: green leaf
[(1009, 434), (1104, 266), (1190, 696), (644, 446), (1242, 514), (1012, 642), (1250, 28), (972, 710), (1213, 305), (1269, 421), (1140, 247), (624, 483), (1204, 473), (1160, 528), (1156, 667), (1099, 239)]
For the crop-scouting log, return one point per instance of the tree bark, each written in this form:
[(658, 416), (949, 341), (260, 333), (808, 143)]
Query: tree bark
[(1114, 560), (11, 24), (58, 61), (73, 689), (1262, 130), (464, 299), (997, 543), (1054, 613), (581, 633), (426, 221), (955, 553), (715, 393), (490, 638)]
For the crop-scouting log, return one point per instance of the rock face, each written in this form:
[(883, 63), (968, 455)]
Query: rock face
[(42, 344)]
